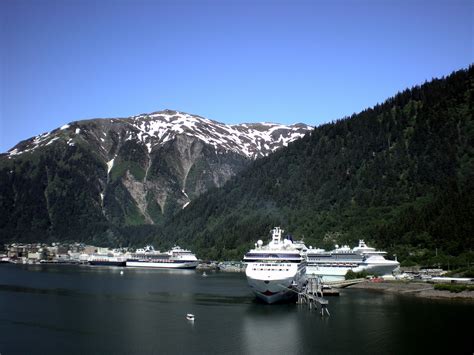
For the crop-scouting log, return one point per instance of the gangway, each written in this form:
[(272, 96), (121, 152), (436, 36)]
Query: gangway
[(312, 295)]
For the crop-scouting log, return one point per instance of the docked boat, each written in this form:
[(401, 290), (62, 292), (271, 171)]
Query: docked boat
[(176, 258), (276, 270), (333, 265), (107, 260)]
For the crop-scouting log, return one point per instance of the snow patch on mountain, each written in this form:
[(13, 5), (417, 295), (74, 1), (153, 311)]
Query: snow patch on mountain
[(252, 140), (110, 165)]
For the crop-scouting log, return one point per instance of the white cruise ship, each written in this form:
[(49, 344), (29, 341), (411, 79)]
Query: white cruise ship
[(176, 258), (333, 265), (107, 260), (276, 270)]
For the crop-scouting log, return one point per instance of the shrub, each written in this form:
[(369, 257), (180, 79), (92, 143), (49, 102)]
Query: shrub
[(455, 288)]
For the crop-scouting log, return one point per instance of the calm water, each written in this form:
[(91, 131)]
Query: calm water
[(81, 309)]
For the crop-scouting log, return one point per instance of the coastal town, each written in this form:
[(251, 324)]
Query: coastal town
[(80, 253), (74, 253)]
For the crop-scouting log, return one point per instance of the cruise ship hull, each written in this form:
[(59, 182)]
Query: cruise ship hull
[(163, 265), (274, 291), (384, 268), (338, 273), (107, 263), (328, 273), (274, 286)]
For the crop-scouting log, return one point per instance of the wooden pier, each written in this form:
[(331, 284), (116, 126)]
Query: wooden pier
[(343, 283), (313, 292)]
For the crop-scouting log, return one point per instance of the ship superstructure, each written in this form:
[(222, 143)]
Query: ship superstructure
[(333, 265), (176, 258), (105, 257)]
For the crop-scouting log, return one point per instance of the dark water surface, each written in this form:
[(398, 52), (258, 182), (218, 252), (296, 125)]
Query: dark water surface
[(59, 309)]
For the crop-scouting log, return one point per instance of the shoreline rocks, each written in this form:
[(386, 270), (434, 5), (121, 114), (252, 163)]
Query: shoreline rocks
[(417, 289)]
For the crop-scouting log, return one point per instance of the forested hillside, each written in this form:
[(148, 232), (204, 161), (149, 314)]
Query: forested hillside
[(399, 175)]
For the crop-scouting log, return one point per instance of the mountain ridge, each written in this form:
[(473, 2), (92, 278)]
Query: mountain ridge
[(131, 171), (160, 126)]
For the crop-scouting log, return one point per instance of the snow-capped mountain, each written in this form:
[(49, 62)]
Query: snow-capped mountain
[(251, 140), (128, 171)]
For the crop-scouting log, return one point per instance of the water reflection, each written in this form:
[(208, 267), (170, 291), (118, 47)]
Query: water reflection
[(270, 329)]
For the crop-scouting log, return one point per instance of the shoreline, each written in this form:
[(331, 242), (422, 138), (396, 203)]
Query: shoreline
[(416, 289)]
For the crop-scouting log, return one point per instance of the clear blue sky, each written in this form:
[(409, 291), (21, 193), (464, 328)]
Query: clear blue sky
[(229, 60)]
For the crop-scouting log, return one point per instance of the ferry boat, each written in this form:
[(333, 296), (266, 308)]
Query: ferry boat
[(107, 260), (333, 265), (176, 258), (276, 270)]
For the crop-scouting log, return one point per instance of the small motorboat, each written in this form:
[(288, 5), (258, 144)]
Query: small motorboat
[(190, 316)]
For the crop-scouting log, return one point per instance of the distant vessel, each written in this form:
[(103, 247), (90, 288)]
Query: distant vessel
[(333, 265), (276, 270), (190, 316), (107, 260), (176, 258)]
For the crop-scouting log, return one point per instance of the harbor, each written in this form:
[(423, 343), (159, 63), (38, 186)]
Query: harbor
[(145, 311), (280, 271)]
